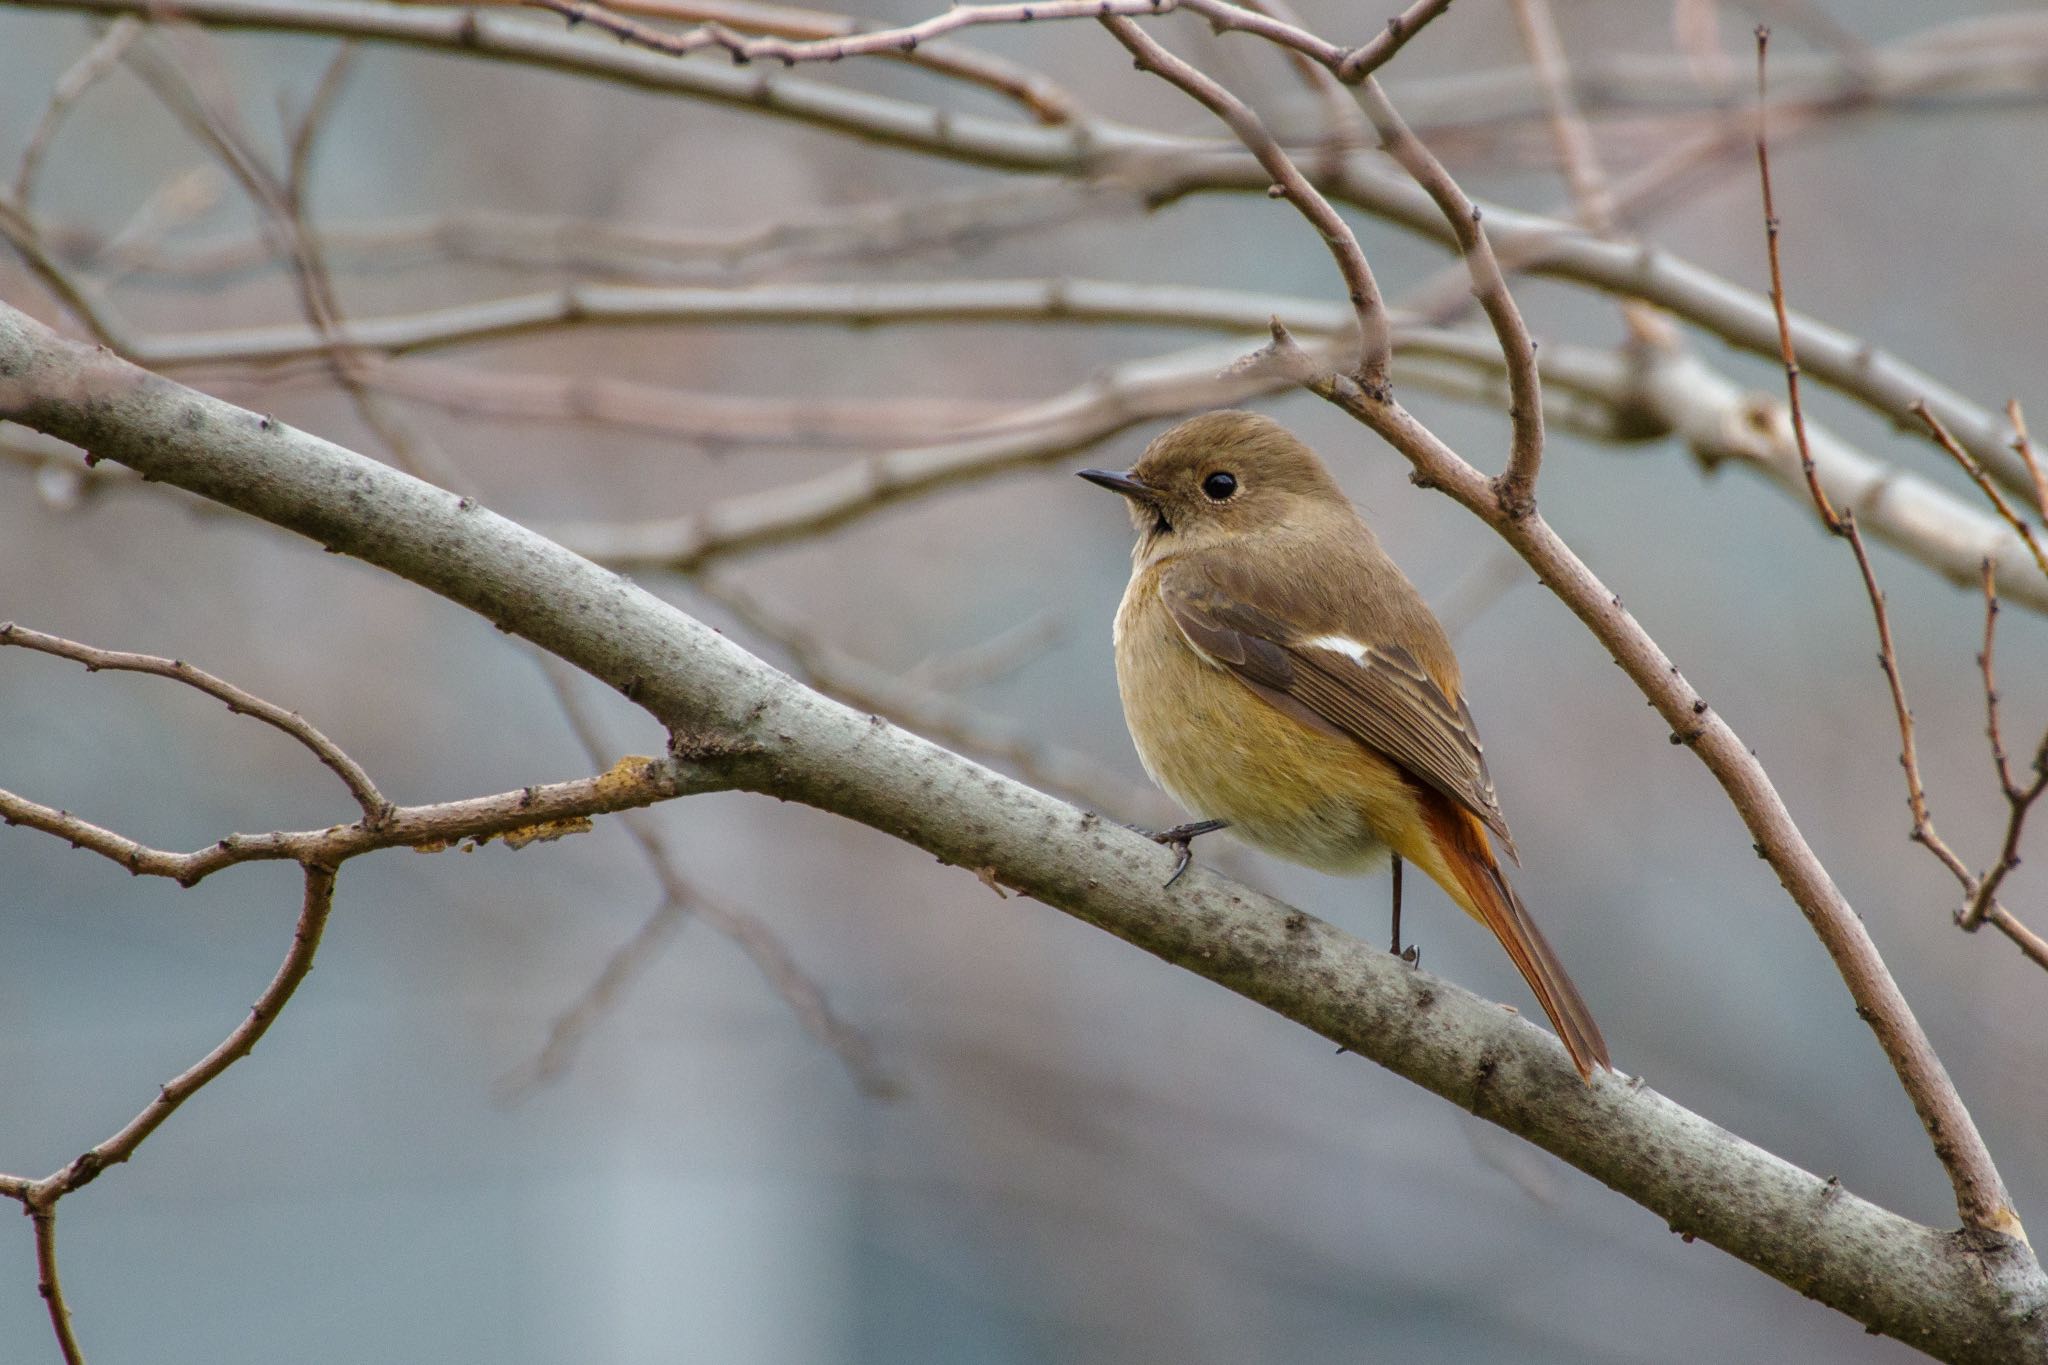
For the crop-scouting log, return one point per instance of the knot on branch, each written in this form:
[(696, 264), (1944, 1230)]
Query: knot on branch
[(1280, 358), (1515, 497), (700, 747)]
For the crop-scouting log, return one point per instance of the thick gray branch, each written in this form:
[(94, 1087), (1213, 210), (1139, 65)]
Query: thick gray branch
[(1942, 1292)]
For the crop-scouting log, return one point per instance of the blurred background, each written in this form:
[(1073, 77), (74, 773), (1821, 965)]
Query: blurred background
[(1079, 1153)]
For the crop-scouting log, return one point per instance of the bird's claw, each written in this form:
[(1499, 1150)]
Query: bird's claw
[(1181, 839)]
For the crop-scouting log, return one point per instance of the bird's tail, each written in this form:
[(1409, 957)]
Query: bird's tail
[(1468, 871)]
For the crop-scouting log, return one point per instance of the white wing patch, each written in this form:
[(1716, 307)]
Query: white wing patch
[(1341, 644)]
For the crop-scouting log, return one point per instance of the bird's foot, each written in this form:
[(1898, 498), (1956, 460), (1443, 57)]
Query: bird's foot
[(1181, 839)]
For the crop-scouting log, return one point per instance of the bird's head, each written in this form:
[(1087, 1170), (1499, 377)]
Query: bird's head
[(1221, 478)]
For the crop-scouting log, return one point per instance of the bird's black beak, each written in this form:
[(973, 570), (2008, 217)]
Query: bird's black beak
[(1135, 489)]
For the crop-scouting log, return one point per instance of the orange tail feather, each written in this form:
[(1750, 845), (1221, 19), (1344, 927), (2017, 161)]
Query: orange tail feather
[(1482, 889)]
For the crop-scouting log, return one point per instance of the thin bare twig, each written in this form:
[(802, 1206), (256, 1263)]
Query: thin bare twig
[(1516, 486), (1344, 127), (1843, 523), (51, 1288), (1986, 664), (1376, 346), (303, 133), (376, 808), (1083, 415), (39, 1198), (314, 909), (2023, 447), (855, 303), (1981, 895), (713, 420), (20, 231), (2034, 945), (1888, 659), (1046, 101), (1828, 516), (537, 812), (1377, 53), (744, 48), (1981, 1198), (1576, 150), (573, 1025), (1282, 30), (1983, 481), (1950, 63), (1350, 65), (1648, 395), (1444, 297)]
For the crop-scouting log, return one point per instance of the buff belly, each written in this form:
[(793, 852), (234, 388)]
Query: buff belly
[(1224, 752)]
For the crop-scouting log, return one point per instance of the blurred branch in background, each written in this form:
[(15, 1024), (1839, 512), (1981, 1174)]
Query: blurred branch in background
[(704, 341), (915, 705), (681, 901), (1507, 504), (738, 724), (1741, 317)]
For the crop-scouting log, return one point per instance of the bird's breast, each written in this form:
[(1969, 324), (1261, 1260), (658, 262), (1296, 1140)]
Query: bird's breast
[(1225, 753)]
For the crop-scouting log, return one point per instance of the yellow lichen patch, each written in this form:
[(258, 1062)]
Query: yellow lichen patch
[(630, 772), (546, 831)]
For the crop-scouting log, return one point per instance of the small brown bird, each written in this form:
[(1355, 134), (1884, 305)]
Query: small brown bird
[(1282, 676)]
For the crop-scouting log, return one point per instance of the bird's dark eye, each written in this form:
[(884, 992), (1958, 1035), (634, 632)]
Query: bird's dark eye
[(1219, 486)]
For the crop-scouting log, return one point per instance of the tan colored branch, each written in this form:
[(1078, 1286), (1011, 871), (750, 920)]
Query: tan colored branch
[(39, 1198), (554, 806), (374, 805), (859, 304), (1979, 1189), (1742, 317), (1376, 343), (1123, 397), (738, 721), (1038, 94), (1982, 895), (1516, 486), (601, 250), (1976, 474), (51, 1288)]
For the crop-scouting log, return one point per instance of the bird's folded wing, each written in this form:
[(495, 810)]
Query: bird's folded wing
[(1376, 694)]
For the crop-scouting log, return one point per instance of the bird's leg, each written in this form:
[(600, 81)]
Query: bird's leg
[(1181, 838), (1412, 953)]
